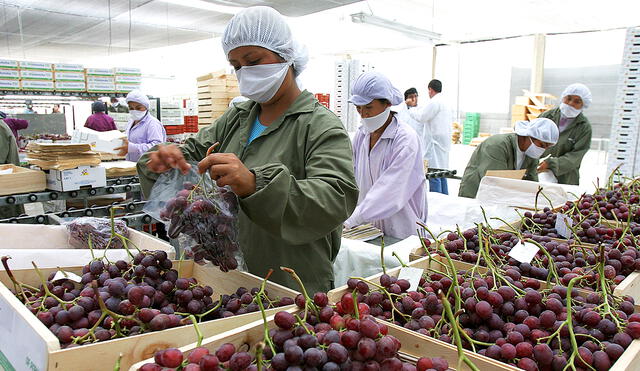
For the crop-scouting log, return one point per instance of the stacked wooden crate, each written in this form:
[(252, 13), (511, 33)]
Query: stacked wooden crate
[(530, 105), (215, 91)]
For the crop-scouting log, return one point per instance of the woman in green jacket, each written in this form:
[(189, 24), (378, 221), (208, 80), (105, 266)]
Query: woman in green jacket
[(513, 151), (9, 155), (575, 135), (286, 157)]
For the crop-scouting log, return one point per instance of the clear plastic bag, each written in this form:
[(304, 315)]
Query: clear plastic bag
[(193, 205), (99, 229)]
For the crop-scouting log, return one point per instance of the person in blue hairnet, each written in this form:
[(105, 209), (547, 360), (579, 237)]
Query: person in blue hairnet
[(575, 135), (387, 157)]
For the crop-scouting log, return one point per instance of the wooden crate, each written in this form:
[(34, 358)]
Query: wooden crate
[(38, 344), (412, 345), (627, 362), (518, 110), (21, 180)]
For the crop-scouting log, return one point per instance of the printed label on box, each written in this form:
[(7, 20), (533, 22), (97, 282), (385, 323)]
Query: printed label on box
[(8, 63), (73, 179), (70, 85), (68, 67), (100, 71), (127, 71), (100, 80), (101, 87), (69, 76), (35, 66), (36, 75), (9, 74), (125, 88), (10, 84), (37, 85), (128, 79)]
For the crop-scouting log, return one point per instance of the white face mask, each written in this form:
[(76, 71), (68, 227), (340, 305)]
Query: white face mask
[(260, 83), (137, 115), (534, 151), (568, 111), (371, 124)]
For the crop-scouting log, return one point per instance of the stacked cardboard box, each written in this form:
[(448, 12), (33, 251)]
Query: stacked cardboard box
[(529, 106), (215, 91), (69, 77), (36, 76), (171, 117), (127, 79), (100, 80), (9, 75)]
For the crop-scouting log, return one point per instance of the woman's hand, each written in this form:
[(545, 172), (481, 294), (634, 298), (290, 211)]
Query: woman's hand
[(167, 157), (124, 149), (227, 169)]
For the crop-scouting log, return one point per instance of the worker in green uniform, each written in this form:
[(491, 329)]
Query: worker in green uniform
[(513, 151), (286, 157), (8, 155), (575, 135)]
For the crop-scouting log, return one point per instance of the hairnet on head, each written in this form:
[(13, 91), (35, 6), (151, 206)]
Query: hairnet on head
[(580, 90), (138, 97), (540, 128), (265, 27), (3, 115), (374, 85), (98, 107)]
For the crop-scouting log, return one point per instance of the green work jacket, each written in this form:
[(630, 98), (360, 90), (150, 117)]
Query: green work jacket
[(8, 155), (498, 152), (305, 187), (573, 144)]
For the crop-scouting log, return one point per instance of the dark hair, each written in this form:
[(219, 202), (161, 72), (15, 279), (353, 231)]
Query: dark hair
[(436, 85), (409, 92), (383, 101), (98, 107)]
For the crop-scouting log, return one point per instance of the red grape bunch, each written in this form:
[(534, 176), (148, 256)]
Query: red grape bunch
[(98, 231), (208, 214)]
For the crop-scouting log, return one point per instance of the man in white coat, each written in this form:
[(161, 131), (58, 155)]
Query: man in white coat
[(436, 118)]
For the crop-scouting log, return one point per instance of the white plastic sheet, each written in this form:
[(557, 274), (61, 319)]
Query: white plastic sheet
[(519, 193)]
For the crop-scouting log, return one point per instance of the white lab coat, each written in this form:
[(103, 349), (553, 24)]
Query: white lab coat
[(435, 119)]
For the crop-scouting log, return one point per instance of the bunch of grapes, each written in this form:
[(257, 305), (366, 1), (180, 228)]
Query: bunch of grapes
[(609, 204), (88, 232), (119, 299), (512, 320), (207, 214), (327, 341)]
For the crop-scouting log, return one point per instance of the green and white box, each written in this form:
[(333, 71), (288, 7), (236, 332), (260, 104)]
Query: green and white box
[(38, 66), (9, 84), (70, 86), (69, 76), (127, 71), (100, 72), (100, 80), (128, 79), (36, 75), (9, 74), (66, 67), (37, 85), (101, 87), (125, 88), (9, 64)]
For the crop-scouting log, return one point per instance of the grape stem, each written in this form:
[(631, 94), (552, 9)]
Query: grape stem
[(117, 366), (16, 284), (259, 295), (387, 294), (456, 334), (402, 264), (259, 360), (384, 267), (308, 302), (354, 296), (197, 328)]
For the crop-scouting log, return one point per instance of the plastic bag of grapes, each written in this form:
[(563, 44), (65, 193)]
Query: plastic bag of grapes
[(194, 206), (98, 230)]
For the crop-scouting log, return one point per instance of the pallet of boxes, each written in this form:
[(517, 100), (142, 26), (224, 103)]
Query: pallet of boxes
[(529, 106), (215, 91)]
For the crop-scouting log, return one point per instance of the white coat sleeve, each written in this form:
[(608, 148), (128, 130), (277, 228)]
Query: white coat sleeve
[(425, 113)]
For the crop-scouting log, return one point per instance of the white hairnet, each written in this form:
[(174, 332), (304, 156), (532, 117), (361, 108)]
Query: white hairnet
[(264, 26), (138, 97), (238, 99), (374, 85), (580, 90), (540, 128)]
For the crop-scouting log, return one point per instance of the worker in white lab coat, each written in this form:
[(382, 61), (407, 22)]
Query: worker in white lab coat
[(436, 118)]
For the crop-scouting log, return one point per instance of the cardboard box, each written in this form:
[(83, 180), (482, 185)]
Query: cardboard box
[(102, 87), (16, 179), (40, 66), (170, 112), (172, 120), (517, 109), (9, 84), (170, 105), (37, 85), (69, 76), (125, 88), (9, 64), (105, 141), (99, 71), (127, 71), (66, 67), (128, 79), (522, 100), (36, 75), (74, 179), (70, 86), (100, 80), (9, 74)]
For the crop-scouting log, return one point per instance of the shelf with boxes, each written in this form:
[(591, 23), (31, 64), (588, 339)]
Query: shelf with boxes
[(215, 91)]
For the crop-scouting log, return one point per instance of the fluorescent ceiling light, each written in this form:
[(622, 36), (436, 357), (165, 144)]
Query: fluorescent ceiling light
[(395, 26), (204, 5)]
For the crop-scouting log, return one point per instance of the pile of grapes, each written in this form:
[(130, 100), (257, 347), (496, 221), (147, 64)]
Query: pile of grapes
[(206, 213), (511, 320), (327, 341), (119, 299), (619, 204)]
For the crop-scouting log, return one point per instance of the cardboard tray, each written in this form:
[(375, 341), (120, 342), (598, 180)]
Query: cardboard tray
[(21, 180), (25, 340)]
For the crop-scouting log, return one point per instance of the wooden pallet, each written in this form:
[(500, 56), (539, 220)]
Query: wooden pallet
[(36, 342), (413, 346)]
